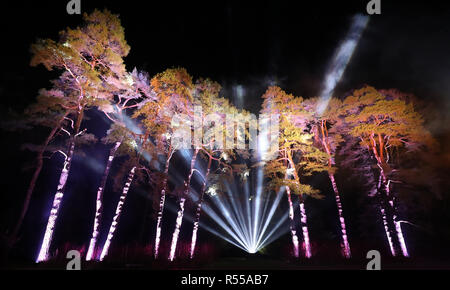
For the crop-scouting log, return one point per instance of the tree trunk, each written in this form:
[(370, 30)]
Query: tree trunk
[(306, 242), (161, 207), (180, 214), (292, 223), (345, 246), (198, 211), (385, 219), (45, 246), (116, 218), (398, 228), (34, 178), (99, 203), (303, 217)]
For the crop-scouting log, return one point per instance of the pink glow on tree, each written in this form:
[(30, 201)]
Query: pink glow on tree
[(161, 207), (44, 250), (292, 224), (99, 203), (306, 242), (116, 218), (199, 210), (180, 214)]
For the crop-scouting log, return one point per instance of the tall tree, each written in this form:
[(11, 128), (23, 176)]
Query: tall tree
[(47, 112), (133, 146), (172, 93), (295, 144), (125, 88), (86, 56), (384, 124), (326, 128)]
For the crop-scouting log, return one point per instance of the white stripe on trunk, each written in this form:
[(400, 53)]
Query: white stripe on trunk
[(99, 203), (116, 218), (45, 246)]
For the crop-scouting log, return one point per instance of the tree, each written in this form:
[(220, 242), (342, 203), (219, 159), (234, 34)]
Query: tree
[(171, 94), (46, 112), (126, 87), (86, 56), (385, 124), (133, 146), (206, 97), (326, 128), (295, 143)]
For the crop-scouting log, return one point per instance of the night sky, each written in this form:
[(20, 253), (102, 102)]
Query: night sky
[(248, 43)]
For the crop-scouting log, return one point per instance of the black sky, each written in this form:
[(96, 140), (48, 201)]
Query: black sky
[(250, 43)]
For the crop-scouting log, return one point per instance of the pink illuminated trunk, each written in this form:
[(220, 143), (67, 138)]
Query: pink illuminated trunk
[(400, 237), (385, 221), (161, 208), (37, 171), (198, 212), (398, 228), (292, 223), (180, 214), (345, 246), (344, 243), (45, 246), (116, 218), (99, 203), (386, 229), (303, 219)]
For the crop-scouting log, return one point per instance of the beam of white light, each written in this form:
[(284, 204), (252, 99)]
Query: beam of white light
[(131, 125), (239, 212), (270, 237), (340, 60), (223, 222), (271, 213), (243, 219)]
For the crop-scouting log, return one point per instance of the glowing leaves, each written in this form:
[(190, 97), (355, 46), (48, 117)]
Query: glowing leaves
[(383, 121)]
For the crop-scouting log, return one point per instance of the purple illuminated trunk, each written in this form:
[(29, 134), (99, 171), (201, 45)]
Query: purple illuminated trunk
[(345, 246), (116, 218), (292, 223), (45, 246), (34, 178), (161, 208), (99, 203), (387, 231), (303, 219), (385, 220), (199, 211), (173, 245), (398, 228)]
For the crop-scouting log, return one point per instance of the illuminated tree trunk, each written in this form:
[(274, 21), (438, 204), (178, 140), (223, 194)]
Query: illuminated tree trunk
[(385, 219), (345, 246), (161, 207), (34, 178), (99, 203), (43, 252), (306, 241), (117, 215), (344, 243), (48, 235), (199, 211), (303, 217), (398, 228), (387, 231), (180, 214), (292, 223)]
